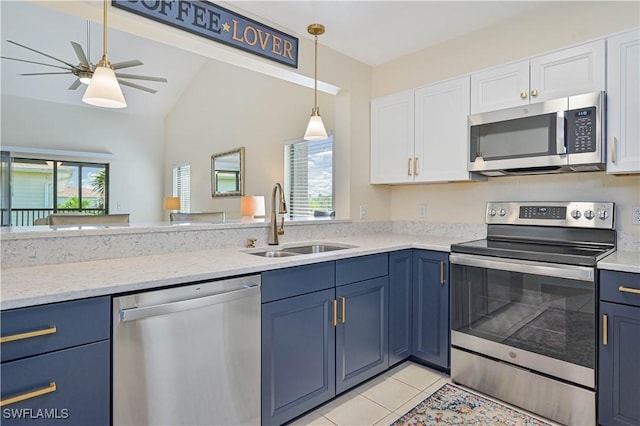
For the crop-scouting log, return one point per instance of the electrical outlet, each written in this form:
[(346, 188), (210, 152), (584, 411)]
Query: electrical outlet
[(635, 215), (422, 211), (363, 212)]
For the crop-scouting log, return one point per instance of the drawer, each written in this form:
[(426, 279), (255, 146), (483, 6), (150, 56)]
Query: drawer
[(298, 280), (361, 268), (76, 322), (82, 388), (620, 287)]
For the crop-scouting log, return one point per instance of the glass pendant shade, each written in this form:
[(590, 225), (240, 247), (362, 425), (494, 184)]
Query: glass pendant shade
[(104, 90), (315, 129)]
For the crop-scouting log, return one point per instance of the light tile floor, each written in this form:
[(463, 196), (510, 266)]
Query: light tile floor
[(382, 400)]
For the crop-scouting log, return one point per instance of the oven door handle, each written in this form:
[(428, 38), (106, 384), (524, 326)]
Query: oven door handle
[(570, 272)]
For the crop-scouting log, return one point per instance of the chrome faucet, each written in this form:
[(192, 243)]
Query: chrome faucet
[(274, 229)]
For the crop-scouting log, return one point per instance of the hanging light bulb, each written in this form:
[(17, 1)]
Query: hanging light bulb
[(104, 90), (315, 128)]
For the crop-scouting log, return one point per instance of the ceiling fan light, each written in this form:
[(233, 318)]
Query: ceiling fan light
[(315, 128), (104, 90)]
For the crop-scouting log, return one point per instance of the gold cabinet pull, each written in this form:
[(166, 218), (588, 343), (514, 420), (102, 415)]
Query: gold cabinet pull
[(28, 395), (534, 92), (409, 167), (442, 280), (334, 307), (523, 95), (613, 148), (415, 166), (629, 290), (344, 309), (605, 331), (29, 334)]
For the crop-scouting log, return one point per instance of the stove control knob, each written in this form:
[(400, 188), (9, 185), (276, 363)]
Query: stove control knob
[(576, 214), (603, 214), (502, 212), (492, 212), (589, 214)]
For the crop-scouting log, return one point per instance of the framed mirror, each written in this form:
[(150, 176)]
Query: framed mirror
[(227, 173)]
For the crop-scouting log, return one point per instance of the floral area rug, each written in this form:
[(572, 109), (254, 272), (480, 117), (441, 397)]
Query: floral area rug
[(451, 405)]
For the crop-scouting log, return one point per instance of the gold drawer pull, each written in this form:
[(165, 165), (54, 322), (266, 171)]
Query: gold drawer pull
[(409, 167), (442, 280), (415, 166), (605, 331), (613, 149), (344, 309), (523, 95), (29, 334), (51, 388), (334, 306), (629, 290)]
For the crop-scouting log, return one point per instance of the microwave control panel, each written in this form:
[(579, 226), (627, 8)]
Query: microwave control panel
[(581, 130)]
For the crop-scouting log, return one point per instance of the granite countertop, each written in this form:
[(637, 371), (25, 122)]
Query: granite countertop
[(36, 285), (625, 261)]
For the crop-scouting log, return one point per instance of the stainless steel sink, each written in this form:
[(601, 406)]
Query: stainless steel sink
[(273, 253), (299, 250), (314, 248)]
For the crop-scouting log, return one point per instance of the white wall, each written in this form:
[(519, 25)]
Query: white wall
[(136, 142), (551, 26)]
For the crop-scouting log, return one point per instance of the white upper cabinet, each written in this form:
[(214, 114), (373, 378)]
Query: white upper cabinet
[(623, 106), (441, 112), (572, 71), (392, 136)]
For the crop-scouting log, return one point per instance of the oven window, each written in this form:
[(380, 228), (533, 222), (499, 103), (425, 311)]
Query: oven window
[(549, 316)]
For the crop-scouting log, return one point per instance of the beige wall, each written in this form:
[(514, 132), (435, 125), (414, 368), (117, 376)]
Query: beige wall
[(553, 25)]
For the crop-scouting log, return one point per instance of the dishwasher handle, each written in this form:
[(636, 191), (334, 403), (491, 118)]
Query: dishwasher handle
[(133, 314)]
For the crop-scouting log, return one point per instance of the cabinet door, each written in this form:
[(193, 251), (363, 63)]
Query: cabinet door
[(361, 335), (441, 112), (618, 372), (392, 138), (298, 355), (400, 297), (500, 87), (431, 307), (623, 103), (572, 71)]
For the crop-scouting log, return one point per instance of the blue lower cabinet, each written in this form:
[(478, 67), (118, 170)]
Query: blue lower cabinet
[(400, 305), (430, 325), (298, 355), (361, 334), (65, 387), (619, 365)]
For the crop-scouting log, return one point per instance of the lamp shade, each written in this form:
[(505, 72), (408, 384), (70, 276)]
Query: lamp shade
[(104, 90), (252, 205), (315, 129), (171, 203)]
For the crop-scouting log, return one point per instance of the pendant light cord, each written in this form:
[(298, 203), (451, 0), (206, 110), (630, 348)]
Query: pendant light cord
[(104, 32), (315, 78)]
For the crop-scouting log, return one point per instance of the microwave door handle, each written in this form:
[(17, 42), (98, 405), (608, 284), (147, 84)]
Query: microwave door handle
[(561, 135)]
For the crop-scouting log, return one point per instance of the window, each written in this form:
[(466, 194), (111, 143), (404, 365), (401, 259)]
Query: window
[(40, 187), (182, 186), (309, 178)]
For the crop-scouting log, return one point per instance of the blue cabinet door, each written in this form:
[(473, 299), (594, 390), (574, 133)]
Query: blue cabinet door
[(619, 365), (298, 355), (361, 334), (400, 305), (431, 307)]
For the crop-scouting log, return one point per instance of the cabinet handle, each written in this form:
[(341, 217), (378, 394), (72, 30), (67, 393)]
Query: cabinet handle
[(28, 335), (523, 95), (344, 309), (415, 166), (409, 167), (442, 280), (629, 290), (334, 306), (605, 332), (613, 149), (534, 92), (29, 395)]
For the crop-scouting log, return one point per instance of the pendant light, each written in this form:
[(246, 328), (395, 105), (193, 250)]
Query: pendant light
[(104, 90), (315, 128)]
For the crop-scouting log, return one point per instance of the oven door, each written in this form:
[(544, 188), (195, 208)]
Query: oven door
[(539, 316)]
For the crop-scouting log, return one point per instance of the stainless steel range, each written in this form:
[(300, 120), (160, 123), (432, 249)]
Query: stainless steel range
[(523, 306)]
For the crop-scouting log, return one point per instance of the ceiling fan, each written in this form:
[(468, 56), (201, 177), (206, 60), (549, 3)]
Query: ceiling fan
[(84, 69)]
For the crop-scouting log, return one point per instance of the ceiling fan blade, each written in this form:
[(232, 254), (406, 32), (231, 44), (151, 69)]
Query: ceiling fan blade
[(41, 53), (32, 62), (80, 53), (142, 77), (75, 84), (126, 64), (136, 86), (46, 73)]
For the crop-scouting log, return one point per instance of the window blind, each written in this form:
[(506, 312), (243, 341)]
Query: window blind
[(182, 186)]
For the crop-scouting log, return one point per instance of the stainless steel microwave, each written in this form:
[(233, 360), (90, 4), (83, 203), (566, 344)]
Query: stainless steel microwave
[(561, 135)]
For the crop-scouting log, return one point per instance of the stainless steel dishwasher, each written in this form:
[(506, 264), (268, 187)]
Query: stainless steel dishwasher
[(188, 355)]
